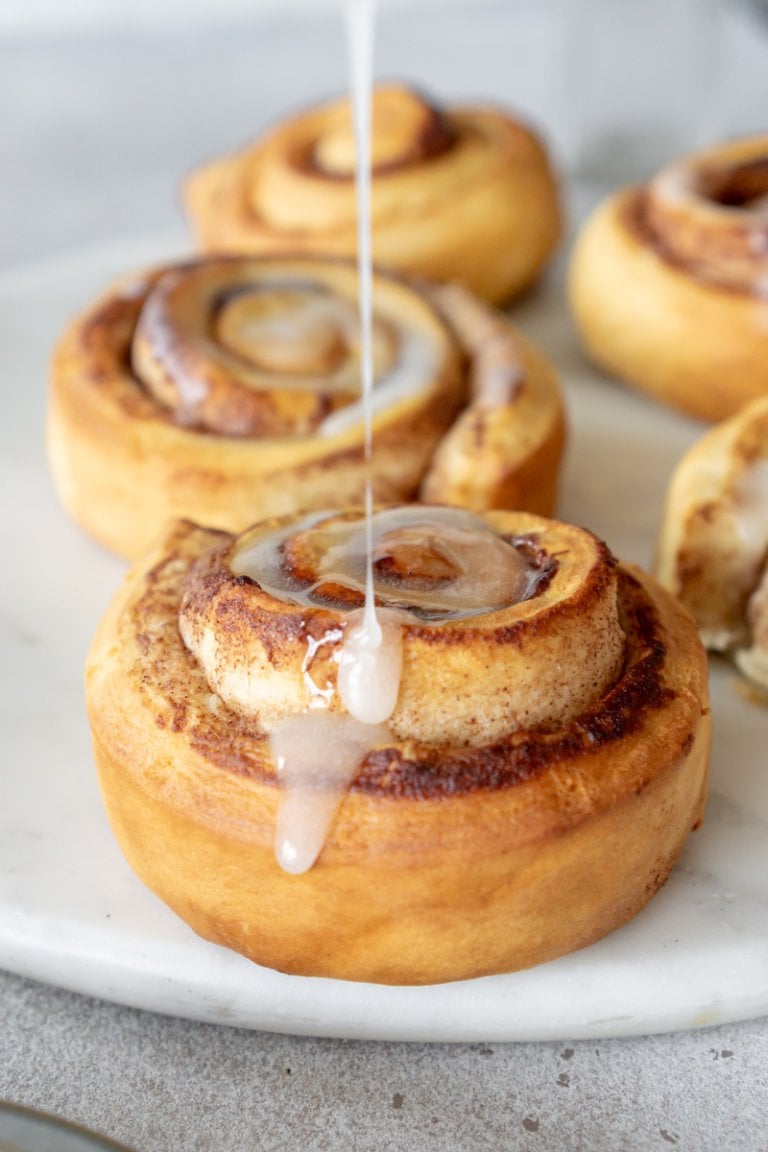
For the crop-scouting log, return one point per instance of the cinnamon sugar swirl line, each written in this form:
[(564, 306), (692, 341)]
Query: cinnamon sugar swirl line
[(537, 780), (669, 281), (227, 389), (459, 193)]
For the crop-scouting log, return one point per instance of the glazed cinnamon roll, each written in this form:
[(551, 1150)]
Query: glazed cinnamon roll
[(713, 544), (461, 193), (669, 281), (513, 779), (227, 389)]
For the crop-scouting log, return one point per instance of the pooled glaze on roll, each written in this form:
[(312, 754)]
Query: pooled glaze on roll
[(444, 564), (432, 564), (253, 641), (449, 590)]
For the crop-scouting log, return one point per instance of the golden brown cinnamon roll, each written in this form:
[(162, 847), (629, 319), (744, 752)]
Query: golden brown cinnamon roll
[(713, 545), (669, 281), (543, 764), (227, 389), (462, 193)]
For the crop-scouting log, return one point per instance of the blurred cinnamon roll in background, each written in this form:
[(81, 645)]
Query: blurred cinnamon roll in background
[(544, 761), (669, 281), (227, 389), (714, 538), (460, 193)]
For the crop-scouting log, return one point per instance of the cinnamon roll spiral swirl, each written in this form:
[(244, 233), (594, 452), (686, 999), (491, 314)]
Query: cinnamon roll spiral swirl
[(462, 193), (227, 389), (543, 764), (669, 281)]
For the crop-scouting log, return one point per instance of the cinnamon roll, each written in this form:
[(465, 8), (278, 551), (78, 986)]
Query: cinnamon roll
[(713, 544), (226, 389), (669, 281), (515, 779), (461, 193)]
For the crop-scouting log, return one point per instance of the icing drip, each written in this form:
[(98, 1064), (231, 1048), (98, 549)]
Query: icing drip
[(317, 755), (370, 664)]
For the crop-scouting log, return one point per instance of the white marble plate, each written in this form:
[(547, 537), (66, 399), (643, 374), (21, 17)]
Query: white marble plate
[(71, 912)]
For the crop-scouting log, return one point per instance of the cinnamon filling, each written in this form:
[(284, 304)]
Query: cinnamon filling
[(742, 186), (406, 130), (710, 218)]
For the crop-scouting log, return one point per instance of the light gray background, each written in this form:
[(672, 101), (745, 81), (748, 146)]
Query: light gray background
[(103, 108)]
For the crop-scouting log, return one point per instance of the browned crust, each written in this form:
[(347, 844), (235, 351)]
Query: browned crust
[(443, 864), (411, 769), (407, 769)]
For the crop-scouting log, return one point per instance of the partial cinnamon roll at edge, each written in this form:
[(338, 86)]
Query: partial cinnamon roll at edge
[(669, 281), (713, 543)]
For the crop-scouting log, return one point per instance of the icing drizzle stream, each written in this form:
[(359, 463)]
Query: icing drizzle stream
[(364, 639), (317, 753)]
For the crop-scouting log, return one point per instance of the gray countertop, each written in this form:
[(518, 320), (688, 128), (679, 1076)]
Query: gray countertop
[(100, 121), (160, 1083)]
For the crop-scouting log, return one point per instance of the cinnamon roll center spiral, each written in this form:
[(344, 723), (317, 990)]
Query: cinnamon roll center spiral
[(710, 215), (743, 186), (249, 347), (505, 620), (405, 129), (297, 330), (434, 564)]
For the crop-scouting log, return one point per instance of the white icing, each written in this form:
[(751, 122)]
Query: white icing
[(370, 665), (489, 572), (318, 752), (320, 695), (317, 755), (295, 338), (501, 381), (417, 361)]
